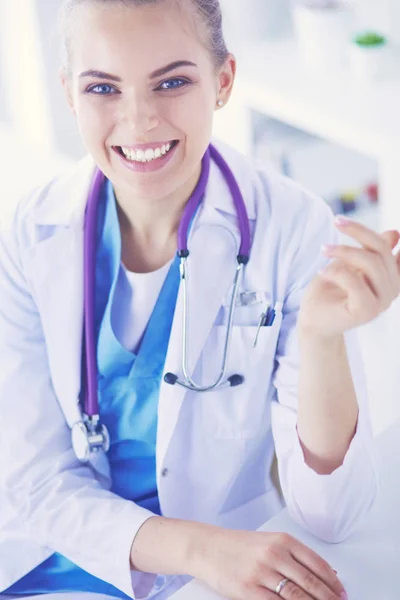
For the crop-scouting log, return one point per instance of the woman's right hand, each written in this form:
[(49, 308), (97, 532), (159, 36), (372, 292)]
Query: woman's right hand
[(240, 565), (250, 565)]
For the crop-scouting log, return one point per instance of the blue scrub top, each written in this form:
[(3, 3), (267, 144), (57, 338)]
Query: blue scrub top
[(128, 386)]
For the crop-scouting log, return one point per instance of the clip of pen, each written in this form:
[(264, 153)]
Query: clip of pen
[(267, 319)]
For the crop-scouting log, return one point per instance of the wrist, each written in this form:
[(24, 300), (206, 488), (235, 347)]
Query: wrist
[(312, 339), (201, 546), (152, 551)]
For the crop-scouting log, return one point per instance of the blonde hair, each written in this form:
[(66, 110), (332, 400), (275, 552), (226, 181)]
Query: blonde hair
[(209, 12)]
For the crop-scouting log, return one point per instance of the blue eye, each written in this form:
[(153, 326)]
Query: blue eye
[(101, 89), (173, 84)]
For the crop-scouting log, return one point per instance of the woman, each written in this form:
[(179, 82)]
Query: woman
[(185, 470)]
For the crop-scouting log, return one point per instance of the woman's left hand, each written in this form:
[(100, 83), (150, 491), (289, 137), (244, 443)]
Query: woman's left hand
[(356, 287)]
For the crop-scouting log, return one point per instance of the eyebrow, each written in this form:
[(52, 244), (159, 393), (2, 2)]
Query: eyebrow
[(174, 65), (158, 73)]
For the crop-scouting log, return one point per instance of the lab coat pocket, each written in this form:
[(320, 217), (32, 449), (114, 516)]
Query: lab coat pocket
[(239, 412)]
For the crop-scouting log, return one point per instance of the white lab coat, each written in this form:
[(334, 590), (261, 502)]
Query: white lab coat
[(214, 450)]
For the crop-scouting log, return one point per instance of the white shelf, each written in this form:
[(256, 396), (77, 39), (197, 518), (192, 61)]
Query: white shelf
[(273, 79)]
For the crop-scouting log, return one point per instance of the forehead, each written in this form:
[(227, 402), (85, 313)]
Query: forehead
[(140, 38)]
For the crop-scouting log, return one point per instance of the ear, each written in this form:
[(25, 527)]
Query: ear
[(226, 79), (67, 87)]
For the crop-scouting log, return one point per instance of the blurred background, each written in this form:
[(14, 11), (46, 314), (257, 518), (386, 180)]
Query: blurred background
[(317, 97)]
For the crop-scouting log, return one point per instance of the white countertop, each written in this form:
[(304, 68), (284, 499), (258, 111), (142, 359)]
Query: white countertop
[(368, 563)]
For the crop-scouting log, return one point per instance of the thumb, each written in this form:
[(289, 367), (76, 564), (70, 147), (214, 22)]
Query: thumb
[(391, 237)]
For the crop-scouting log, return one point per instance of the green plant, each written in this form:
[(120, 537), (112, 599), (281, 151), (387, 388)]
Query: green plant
[(369, 38)]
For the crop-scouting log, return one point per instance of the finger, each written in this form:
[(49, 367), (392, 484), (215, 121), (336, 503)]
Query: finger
[(363, 235), (261, 593), (292, 591), (382, 277), (391, 237), (382, 245), (283, 587), (318, 566), (338, 268), (309, 582), (360, 298)]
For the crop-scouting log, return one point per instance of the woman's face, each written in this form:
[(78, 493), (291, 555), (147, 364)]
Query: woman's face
[(144, 89)]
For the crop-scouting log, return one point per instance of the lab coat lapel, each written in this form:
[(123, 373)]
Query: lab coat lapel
[(58, 279), (211, 269), (56, 267)]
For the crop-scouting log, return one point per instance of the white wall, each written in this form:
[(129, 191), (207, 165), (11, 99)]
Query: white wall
[(383, 15)]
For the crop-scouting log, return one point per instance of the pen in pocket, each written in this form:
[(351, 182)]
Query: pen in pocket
[(267, 319)]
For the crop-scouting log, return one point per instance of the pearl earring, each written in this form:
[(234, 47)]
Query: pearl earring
[(220, 103)]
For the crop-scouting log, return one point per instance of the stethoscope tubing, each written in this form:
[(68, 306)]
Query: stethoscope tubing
[(90, 403)]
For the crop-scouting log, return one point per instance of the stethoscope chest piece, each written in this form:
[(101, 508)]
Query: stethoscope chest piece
[(88, 438)]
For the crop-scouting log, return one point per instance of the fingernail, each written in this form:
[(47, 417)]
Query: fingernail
[(344, 596), (342, 221), (327, 248)]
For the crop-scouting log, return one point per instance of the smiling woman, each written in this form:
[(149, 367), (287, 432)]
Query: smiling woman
[(188, 386), (136, 116)]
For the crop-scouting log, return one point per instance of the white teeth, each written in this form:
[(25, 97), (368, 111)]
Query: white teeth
[(148, 155)]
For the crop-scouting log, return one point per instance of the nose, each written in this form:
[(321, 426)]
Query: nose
[(139, 114)]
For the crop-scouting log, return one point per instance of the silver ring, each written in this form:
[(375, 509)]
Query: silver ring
[(281, 585)]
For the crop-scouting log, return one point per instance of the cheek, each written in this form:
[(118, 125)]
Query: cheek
[(93, 123), (190, 114)]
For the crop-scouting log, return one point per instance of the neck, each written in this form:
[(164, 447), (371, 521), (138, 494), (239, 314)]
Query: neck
[(147, 219), (149, 228)]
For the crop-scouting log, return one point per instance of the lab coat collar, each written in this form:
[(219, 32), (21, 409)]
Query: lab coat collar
[(66, 203)]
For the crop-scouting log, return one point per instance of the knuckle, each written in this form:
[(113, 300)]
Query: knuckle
[(376, 307), (285, 539), (293, 592), (310, 581), (246, 589), (368, 312), (273, 554), (377, 263), (258, 569), (335, 267)]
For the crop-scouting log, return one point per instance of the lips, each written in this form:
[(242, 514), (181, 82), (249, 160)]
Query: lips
[(147, 158), (146, 153)]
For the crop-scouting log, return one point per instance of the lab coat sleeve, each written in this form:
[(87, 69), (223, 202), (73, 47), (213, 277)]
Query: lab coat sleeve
[(330, 506), (60, 503)]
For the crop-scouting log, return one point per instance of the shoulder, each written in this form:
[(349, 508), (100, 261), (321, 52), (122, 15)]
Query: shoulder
[(271, 197), (51, 199)]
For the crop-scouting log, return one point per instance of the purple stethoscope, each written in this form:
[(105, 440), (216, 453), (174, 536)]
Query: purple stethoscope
[(89, 436)]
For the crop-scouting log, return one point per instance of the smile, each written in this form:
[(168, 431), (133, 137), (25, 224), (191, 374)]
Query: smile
[(148, 155)]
